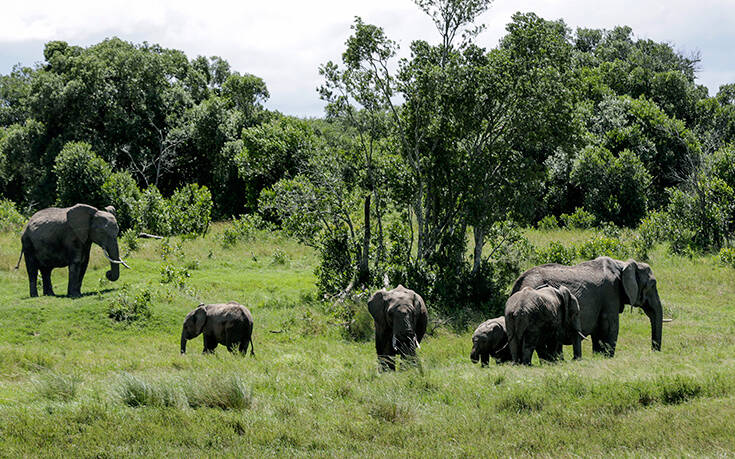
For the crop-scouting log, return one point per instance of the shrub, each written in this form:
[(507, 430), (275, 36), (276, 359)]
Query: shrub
[(243, 229), (280, 257), (121, 191), (151, 212), (700, 218), (354, 318), (614, 188), (129, 239), (190, 209), (579, 219), (603, 246), (652, 229), (337, 262), (80, 174), (549, 222), (10, 218), (727, 256), (556, 253), (128, 307)]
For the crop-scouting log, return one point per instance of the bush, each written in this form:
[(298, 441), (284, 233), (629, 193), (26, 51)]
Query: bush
[(652, 229), (603, 246), (170, 272), (579, 219), (80, 175), (354, 317), (614, 188), (700, 218), (190, 209), (337, 262), (151, 212), (556, 253), (727, 256), (243, 229), (549, 222), (127, 307), (121, 191), (10, 218)]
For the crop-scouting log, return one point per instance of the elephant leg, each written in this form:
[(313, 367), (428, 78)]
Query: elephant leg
[(527, 348), (605, 336), (384, 348), (74, 288), (48, 289), (32, 270), (210, 343), (484, 359)]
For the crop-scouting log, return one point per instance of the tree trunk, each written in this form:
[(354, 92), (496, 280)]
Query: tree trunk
[(363, 276), (479, 232)]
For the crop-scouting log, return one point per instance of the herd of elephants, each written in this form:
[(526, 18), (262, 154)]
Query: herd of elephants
[(550, 305)]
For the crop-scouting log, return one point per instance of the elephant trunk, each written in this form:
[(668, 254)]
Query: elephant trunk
[(474, 355), (112, 252), (655, 314), (183, 342)]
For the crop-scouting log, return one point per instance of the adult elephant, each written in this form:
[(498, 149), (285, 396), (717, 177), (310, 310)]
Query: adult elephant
[(58, 237), (603, 287), (400, 317)]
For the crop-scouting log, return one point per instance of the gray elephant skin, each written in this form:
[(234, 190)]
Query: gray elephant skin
[(603, 287), (542, 320), (490, 340), (229, 324), (400, 317), (58, 237)]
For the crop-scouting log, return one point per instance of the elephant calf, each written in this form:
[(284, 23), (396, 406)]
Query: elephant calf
[(542, 320), (490, 339), (227, 324)]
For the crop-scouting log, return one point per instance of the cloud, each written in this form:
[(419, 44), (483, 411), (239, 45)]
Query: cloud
[(284, 42)]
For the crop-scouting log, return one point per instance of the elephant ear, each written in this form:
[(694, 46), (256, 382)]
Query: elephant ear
[(629, 278), (376, 305), (79, 219), (422, 316), (571, 305), (200, 318)]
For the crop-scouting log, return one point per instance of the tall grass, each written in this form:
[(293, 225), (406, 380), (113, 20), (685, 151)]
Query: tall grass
[(76, 383)]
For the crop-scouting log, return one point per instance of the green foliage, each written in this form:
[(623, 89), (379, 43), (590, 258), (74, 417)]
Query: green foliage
[(700, 218), (548, 222), (601, 245), (80, 176), (151, 212), (614, 188), (121, 191), (243, 229), (580, 219), (172, 255), (651, 230), (129, 239), (337, 260), (727, 256), (556, 253), (190, 210), (354, 318), (10, 219), (130, 306), (280, 257)]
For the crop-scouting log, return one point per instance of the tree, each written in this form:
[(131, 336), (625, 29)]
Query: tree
[(80, 176)]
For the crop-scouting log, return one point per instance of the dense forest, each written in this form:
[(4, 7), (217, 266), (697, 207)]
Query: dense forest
[(418, 162)]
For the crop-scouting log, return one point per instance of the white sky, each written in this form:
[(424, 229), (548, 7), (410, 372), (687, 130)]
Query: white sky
[(284, 42)]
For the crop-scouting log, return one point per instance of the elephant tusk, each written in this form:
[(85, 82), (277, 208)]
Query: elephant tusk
[(580, 334), (416, 342), (117, 262), (394, 342)]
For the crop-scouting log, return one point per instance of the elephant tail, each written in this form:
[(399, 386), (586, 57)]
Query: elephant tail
[(252, 347), (19, 258)]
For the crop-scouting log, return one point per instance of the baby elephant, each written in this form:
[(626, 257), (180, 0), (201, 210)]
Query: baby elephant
[(489, 340), (541, 320), (227, 324)]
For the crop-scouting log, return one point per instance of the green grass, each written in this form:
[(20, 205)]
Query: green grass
[(76, 383)]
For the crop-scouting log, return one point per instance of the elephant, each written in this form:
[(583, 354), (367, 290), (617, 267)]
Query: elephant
[(603, 287), (400, 317), (490, 339), (57, 237), (542, 320), (226, 324)]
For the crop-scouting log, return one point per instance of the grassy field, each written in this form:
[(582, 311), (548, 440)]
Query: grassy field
[(75, 383)]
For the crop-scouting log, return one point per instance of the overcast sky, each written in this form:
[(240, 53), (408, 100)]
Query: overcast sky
[(284, 42)]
